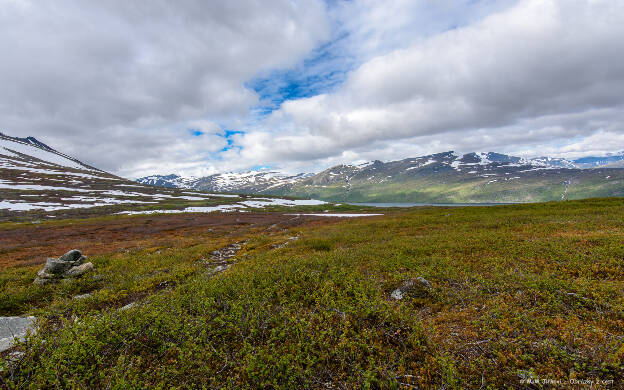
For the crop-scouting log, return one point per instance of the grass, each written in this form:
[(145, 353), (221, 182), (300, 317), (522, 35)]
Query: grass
[(519, 292), (538, 186)]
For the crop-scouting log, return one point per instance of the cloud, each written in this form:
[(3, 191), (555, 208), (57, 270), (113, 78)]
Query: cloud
[(100, 80), (196, 87), (505, 80)]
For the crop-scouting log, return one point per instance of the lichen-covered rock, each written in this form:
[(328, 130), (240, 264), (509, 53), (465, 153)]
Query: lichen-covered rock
[(12, 328), (72, 256), (43, 277), (56, 266), (424, 282), (418, 288), (79, 270)]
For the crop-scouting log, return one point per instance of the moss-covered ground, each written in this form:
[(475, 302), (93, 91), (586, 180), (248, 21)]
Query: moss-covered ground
[(521, 295)]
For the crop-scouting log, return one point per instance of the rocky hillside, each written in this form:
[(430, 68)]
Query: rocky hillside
[(437, 178), (36, 179)]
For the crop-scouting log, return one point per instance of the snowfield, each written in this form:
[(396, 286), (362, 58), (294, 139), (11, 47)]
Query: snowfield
[(241, 206)]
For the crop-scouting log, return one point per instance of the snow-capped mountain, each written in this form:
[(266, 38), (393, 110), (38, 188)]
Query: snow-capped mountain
[(554, 162), (442, 177), (34, 176), (36, 181), (244, 182), (611, 159), (169, 181)]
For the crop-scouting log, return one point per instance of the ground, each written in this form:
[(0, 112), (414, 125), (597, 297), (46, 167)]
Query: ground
[(522, 296)]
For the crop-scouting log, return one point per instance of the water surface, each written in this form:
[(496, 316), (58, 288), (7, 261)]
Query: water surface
[(427, 204)]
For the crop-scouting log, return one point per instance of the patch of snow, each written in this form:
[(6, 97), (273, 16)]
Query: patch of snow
[(263, 202), (224, 195), (36, 187), (225, 207), (7, 147)]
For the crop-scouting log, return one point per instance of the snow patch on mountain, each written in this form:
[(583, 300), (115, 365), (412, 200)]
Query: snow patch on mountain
[(17, 150)]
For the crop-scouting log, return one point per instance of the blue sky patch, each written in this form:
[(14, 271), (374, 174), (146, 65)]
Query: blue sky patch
[(321, 72)]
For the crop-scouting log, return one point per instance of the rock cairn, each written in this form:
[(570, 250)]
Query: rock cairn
[(70, 265)]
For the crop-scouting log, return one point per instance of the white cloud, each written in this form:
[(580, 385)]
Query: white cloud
[(100, 80), (544, 63), (118, 84)]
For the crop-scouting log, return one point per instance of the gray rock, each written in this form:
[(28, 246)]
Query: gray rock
[(14, 327), (221, 268), (41, 282), (82, 296), (56, 266), (44, 275), (16, 356), (80, 260), (72, 256), (128, 306), (78, 270), (397, 294), (417, 288), (424, 282)]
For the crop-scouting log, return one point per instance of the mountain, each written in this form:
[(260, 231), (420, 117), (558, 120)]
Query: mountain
[(610, 160), (438, 178), (34, 176), (252, 182), (169, 181), (470, 178), (554, 162), (36, 179)]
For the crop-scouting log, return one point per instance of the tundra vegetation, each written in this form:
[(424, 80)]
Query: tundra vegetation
[(515, 293)]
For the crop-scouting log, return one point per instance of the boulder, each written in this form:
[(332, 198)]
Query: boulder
[(79, 270), (415, 288), (56, 266), (72, 256), (12, 328)]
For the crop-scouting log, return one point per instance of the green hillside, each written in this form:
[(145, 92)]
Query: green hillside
[(450, 187)]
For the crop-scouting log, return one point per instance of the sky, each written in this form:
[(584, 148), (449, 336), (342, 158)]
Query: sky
[(201, 87)]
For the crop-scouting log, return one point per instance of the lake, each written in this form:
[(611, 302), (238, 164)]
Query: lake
[(427, 204)]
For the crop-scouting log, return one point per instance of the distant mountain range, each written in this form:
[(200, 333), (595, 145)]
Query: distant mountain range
[(438, 178), (34, 176)]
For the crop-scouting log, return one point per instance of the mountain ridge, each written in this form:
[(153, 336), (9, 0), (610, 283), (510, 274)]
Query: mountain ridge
[(38, 182), (445, 177)]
